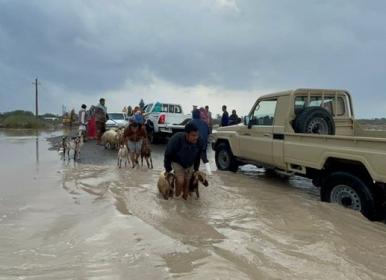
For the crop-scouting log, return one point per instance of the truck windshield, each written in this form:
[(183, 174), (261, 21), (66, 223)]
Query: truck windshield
[(148, 107), (116, 116)]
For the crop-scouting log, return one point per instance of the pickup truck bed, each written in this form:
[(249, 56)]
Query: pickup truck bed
[(319, 148)]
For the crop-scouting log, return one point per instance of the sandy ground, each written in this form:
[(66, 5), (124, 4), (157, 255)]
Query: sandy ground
[(92, 220)]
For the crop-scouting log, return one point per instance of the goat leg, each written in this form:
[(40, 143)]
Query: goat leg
[(185, 191)]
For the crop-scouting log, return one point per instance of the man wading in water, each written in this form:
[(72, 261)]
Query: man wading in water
[(183, 154), (134, 134)]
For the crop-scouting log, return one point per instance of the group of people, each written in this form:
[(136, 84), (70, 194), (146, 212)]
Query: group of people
[(205, 115), (92, 122), (227, 120), (134, 115)]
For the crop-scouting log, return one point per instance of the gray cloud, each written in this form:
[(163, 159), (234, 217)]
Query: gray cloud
[(88, 48)]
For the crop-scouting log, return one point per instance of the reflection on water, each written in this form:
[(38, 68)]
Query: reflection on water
[(37, 147), (92, 220)]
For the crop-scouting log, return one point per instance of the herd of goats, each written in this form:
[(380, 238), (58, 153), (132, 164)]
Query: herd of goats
[(114, 139)]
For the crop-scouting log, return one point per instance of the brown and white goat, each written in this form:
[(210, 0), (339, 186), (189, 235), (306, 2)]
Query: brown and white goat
[(146, 153), (166, 182), (197, 177)]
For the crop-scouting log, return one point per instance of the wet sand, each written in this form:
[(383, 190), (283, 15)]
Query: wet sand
[(92, 220)]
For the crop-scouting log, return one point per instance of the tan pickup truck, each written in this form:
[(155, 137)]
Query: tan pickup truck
[(311, 133)]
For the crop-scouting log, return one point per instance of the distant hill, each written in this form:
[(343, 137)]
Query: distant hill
[(24, 119), (380, 121)]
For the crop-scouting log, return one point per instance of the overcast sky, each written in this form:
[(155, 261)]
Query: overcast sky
[(189, 51)]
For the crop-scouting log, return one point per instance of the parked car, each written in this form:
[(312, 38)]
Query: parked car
[(116, 120), (164, 119), (311, 133)]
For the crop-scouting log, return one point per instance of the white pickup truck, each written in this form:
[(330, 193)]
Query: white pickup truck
[(164, 119)]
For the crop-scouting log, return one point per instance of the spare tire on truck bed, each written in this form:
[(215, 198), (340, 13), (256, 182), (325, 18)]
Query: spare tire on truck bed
[(315, 120)]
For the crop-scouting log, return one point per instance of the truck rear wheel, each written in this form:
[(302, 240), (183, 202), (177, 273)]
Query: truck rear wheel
[(315, 120), (224, 158), (349, 191)]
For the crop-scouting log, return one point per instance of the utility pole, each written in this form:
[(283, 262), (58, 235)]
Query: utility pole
[(36, 83)]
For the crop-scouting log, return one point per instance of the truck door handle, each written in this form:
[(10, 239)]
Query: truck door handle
[(267, 135), (246, 134)]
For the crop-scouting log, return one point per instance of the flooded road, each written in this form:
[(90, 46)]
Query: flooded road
[(92, 220)]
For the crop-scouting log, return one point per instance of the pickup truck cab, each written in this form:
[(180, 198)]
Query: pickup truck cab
[(164, 119), (311, 133)]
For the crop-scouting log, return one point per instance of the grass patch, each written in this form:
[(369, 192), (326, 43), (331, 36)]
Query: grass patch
[(23, 119)]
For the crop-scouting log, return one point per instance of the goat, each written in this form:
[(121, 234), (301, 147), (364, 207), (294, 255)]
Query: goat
[(146, 153), (123, 155), (196, 178), (166, 184), (75, 144)]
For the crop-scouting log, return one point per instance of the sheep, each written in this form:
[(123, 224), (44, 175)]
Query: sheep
[(110, 139), (123, 154), (166, 184)]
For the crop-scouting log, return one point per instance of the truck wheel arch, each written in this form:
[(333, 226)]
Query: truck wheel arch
[(219, 141), (355, 167)]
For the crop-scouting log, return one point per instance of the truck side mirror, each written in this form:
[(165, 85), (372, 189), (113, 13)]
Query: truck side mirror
[(251, 121), (246, 120)]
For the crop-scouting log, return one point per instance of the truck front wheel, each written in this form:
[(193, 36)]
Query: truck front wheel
[(349, 191), (224, 158)]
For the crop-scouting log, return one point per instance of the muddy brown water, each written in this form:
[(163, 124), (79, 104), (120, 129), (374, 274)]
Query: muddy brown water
[(92, 220)]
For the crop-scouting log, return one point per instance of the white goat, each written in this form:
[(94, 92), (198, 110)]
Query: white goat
[(74, 144), (123, 155)]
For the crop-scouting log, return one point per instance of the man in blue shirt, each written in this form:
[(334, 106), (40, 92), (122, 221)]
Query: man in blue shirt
[(225, 116), (183, 154)]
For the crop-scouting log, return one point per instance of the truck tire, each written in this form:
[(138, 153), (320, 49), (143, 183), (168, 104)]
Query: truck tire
[(349, 191), (315, 120), (225, 160), (153, 137)]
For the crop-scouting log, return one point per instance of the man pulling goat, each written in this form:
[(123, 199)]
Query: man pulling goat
[(183, 154)]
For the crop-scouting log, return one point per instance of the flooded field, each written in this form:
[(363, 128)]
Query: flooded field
[(92, 220)]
